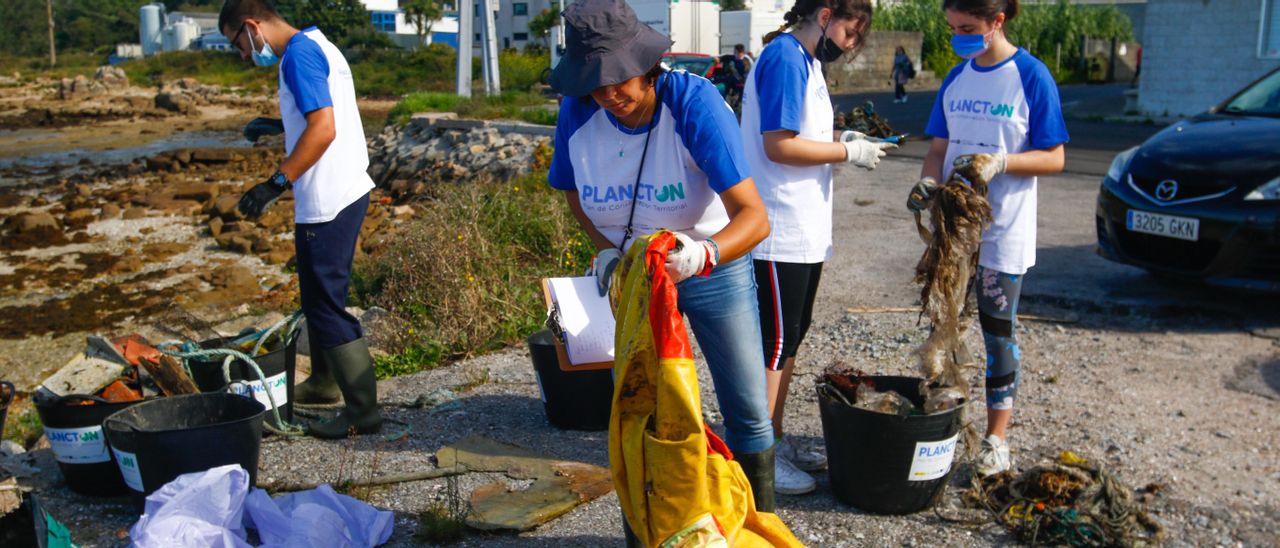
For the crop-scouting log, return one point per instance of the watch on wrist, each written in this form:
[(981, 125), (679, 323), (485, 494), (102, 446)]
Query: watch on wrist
[(279, 179)]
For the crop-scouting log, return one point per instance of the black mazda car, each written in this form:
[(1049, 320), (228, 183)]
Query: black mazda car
[(1201, 198)]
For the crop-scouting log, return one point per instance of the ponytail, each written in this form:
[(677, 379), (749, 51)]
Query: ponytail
[(840, 9), (984, 9)]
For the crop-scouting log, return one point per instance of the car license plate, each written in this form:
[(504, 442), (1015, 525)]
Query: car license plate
[(1182, 228)]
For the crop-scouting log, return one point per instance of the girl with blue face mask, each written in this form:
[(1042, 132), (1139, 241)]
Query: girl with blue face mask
[(1002, 103)]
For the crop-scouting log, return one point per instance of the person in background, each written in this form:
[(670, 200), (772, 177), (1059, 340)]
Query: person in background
[(787, 130), (1002, 103), (325, 163), (638, 149), (1137, 69), (902, 73)]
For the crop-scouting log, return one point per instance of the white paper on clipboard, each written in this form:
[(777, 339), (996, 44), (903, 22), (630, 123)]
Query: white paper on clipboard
[(585, 317)]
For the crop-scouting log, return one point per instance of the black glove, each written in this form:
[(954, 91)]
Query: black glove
[(261, 197), (261, 126)]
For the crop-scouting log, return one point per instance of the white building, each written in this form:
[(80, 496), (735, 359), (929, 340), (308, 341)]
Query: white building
[(1232, 43), (387, 17)]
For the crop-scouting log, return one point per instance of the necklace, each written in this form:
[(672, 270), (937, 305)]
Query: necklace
[(622, 132)]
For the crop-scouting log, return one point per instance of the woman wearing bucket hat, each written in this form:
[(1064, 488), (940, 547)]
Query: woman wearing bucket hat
[(638, 148), (786, 124)]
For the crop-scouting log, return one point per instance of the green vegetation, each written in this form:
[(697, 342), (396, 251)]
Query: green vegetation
[(463, 276), (23, 428), (526, 106), (1041, 28)]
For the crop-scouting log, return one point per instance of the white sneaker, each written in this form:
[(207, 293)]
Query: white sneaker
[(897, 100), (808, 461), (994, 456), (789, 480), (904, 99)]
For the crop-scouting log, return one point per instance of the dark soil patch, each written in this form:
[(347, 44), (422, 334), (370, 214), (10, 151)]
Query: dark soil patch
[(11, 199), (37, 238), (50, 118), (93, 310)]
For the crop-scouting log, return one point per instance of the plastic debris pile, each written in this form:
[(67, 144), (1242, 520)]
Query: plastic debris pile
[(857, 389), (864, 119)]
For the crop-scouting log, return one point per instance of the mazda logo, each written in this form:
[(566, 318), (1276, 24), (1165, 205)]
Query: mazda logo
[(1166, 190)]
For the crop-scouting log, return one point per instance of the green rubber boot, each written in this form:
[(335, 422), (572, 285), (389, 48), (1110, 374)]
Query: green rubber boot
[(352, 367), (758, 467), (319, 388)]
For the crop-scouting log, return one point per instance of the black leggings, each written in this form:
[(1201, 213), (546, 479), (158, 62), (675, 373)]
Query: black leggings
[(786, 292)]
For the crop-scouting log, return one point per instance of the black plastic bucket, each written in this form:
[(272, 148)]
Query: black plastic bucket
[(888, 464), (6, 398), (75, 434), (277, 366), (158, 440), (573, 400)]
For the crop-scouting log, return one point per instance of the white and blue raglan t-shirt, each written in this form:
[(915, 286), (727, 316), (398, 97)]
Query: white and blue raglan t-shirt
[(695, 153), (786, 91), (315, 75), (1010, 107)]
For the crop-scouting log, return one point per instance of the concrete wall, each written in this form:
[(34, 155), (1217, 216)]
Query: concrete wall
[(1197, 53), (873, 65)]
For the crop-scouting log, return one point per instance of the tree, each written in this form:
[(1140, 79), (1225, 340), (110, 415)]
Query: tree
[(540, 25), (346, 22), (733, 5), (53, 50), (422, 14)]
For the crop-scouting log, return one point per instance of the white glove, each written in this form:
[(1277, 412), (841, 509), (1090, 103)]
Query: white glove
[(602, 267), (850, 135), (988, 165), (689, 258), (861, 152)]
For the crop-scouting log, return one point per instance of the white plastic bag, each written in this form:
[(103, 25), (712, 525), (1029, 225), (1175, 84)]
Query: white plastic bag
[(197, 509), (211, 508)]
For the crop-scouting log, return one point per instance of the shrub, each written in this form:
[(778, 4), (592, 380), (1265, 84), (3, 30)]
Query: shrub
[(1041, 28), (464, 275), (527, 106)]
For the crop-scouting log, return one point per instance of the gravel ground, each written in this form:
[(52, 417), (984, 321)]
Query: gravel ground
[(1125, 375)]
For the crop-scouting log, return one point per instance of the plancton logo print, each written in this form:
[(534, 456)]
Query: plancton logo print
[(976, 106)]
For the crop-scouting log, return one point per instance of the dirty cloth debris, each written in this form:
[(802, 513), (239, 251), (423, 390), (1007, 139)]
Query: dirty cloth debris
[(1069, 501), (676, 480), (958, 213), (558, 485), (212, 509)]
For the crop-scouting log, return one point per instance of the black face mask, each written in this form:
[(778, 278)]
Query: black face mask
[(827, 50)]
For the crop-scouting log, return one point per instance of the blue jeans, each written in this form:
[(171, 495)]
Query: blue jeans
[(724, 315)]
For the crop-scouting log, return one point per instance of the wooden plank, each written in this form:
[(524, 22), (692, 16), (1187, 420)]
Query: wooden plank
[(170, 376)]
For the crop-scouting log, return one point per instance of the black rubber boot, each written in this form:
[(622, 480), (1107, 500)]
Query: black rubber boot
[(632, 541), (319, 388), (352, 367), (758, 468)]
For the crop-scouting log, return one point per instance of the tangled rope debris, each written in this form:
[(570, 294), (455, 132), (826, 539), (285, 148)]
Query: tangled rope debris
[(1070, 501)]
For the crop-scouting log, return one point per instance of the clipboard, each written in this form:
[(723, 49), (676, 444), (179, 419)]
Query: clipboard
[(558, 337)]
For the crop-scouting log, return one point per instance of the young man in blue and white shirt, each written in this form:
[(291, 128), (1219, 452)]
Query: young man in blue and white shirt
[(325, 165), (1001, 103)]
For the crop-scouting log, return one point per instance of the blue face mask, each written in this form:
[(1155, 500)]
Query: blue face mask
[(264, 58), (970, 46)]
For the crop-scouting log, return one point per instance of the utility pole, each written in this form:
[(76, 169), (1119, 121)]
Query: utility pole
[(489, 49), (466, 14), (53, 52)]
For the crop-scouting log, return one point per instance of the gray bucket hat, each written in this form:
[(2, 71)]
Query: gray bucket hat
[(605, 44)]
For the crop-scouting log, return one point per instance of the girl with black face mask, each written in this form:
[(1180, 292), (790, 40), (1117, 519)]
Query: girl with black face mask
[(787, 133)]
